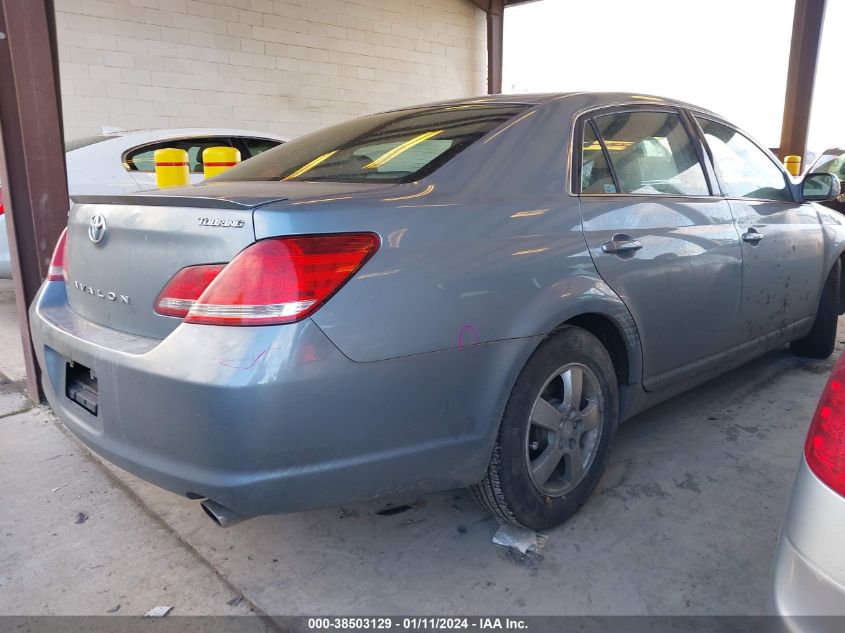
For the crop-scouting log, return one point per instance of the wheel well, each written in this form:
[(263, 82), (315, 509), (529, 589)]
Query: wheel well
[(606, 331)]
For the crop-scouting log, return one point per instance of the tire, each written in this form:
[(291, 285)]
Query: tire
[(819, 343), (530, 436)]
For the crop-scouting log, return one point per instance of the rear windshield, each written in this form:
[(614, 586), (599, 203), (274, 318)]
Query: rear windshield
[(390, 147), (85, 141)]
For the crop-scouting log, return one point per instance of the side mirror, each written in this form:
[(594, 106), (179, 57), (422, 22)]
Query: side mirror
[(819, 187)]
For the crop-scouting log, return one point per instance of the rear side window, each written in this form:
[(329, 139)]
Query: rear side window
[(141, 158), (650, 153), (595, 172), (745, 170), (256, 146), (389, 147)]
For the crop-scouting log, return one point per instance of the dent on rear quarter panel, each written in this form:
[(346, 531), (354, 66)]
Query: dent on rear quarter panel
[(487, 248)]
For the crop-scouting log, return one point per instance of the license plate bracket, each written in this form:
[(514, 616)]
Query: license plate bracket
[(81, 386)]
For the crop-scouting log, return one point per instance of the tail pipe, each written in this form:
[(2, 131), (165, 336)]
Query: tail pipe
[(221, 515)]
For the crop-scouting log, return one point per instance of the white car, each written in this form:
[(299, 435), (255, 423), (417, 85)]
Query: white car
[(118, 162)]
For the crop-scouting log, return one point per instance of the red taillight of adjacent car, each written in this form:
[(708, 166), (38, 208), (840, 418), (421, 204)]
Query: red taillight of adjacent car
[(56, 272), (279, 280), (2, 208), (825, 448)]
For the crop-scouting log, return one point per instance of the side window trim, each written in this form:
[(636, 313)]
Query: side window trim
[(709, 162), (129, 155), (126, 159), (587, 118), (703, 151), (709, 117), (604, 152)]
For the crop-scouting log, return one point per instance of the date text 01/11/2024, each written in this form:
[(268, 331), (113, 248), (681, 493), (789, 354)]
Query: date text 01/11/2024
[(416, 623)]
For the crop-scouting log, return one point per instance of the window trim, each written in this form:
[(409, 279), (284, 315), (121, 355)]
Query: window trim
[(586, 116), (604, 152), (698, 114)]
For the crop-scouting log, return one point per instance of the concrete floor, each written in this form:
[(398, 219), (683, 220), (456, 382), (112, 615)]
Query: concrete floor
[(684, 522)]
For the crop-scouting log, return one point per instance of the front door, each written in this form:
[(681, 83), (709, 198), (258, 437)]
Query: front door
[(782, 240)]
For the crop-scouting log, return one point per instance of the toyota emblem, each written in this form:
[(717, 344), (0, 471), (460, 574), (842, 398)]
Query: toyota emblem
[(97, 228)]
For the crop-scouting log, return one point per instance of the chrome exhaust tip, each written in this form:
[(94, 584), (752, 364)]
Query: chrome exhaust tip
[(221, 515)]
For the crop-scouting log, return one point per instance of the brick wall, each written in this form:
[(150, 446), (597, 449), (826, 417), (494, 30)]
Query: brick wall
[(285, 66)]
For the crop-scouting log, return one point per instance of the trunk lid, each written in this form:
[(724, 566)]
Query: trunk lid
[(122, 250), (115, 281)]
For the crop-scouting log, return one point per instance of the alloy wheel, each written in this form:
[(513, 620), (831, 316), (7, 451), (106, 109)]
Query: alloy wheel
[(564, 429)]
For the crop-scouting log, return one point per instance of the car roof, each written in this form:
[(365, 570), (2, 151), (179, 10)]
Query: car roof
[(194, 131), (599, 98), (123, 140)]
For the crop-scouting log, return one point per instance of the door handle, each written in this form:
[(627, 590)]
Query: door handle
[(620, 244), (752, 236)]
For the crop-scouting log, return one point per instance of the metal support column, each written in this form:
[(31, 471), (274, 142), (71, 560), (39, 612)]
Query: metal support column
[(803, 56), (32, 158), (495, 37), (495, 10)]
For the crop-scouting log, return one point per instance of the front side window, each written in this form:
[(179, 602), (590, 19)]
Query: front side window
[(141, 159), (397, 146), (744, 169), (650, 153)]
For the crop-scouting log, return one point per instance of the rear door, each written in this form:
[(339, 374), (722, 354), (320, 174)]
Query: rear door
[(139, 161), (659, 236), (782, 240)]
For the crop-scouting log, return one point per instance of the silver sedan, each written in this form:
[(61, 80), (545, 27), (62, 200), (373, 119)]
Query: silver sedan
[(470, 293), (809, 572)]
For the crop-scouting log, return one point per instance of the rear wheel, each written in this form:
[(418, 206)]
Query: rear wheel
[(555, 434), (819, 343)]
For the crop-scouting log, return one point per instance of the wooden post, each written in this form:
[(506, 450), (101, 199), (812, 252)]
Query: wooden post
[(801, 76), (32, 158)]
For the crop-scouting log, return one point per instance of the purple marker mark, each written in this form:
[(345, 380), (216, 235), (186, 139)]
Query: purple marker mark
[(473, 334), (252, 364)]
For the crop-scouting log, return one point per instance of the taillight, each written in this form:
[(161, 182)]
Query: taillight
[(278, 280), (182, 291), (2, 208), (56, 272), (825, 447)]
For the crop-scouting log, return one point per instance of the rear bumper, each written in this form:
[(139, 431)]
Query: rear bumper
[(806, 600), (809, 568), (275, 419)]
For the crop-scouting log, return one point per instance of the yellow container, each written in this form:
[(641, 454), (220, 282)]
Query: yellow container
[(216, 160), (171, 167), (792, 164)]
